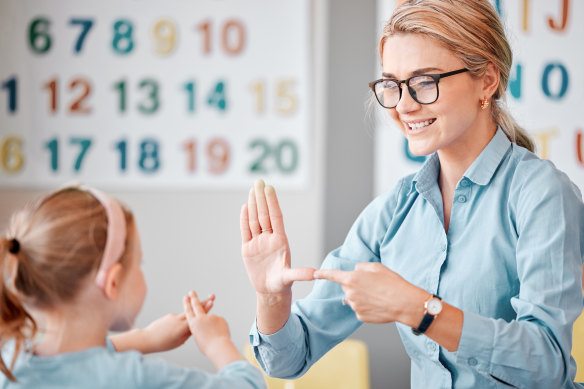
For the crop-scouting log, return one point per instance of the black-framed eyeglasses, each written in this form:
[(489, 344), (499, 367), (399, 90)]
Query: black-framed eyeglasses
[(422, 88)]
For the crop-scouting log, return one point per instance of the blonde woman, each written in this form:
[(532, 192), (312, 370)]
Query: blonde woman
[(477, 257)]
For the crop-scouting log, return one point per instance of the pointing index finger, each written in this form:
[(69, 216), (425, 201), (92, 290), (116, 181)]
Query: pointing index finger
[(338, 276)]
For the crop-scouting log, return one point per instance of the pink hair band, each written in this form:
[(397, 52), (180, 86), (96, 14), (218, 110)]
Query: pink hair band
[(116, 234)]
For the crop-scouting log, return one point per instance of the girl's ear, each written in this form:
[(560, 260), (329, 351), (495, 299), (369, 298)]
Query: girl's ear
[(113, 282), (491, 80)]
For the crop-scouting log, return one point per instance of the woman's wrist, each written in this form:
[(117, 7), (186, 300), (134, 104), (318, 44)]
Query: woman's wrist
[(273, 311)]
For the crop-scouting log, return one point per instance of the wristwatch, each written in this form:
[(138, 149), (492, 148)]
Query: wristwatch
[(432, 307)]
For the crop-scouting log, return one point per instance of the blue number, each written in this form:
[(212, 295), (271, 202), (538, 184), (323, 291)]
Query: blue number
[(217, 96), (53, 146), (86, 25), (123, 33), (10, 85), (122, 146), (149, 161), (85, 143)]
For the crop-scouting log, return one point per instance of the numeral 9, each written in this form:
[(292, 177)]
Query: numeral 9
[(164, 34)]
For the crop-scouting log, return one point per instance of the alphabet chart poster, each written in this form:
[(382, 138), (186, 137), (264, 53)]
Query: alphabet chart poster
[(202, 94), (545, 94)]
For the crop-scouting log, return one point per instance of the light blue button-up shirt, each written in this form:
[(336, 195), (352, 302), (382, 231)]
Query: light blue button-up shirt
[(511, 261)]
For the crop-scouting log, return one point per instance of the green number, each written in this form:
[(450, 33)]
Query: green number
[(284, 155), (286, 148), (123, 42), (218, 96), (152, 97), (149, 160), (53, 146), (38, 35), (85, 144), (121, 86)]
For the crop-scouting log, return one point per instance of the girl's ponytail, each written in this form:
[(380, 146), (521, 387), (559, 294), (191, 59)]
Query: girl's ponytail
[(15, 322)]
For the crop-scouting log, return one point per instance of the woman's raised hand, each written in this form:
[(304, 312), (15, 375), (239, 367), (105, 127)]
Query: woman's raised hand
[(265, 249)]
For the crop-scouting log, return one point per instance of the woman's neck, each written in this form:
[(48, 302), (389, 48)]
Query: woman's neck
[(454, 161)]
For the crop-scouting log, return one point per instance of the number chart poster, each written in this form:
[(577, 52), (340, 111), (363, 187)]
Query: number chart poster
[(154, 94), (545, 94)]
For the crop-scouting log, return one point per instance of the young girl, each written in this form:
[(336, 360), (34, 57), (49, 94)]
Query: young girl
[(70, 267)]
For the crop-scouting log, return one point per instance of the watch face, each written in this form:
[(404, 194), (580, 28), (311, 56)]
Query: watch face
[(434, 306)]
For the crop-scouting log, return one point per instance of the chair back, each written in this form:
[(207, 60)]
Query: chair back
[(346, 366)]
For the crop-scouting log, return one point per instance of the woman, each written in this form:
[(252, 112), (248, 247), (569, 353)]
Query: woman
[(477, 257)]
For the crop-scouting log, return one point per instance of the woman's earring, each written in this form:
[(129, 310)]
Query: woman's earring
[(484, 103)]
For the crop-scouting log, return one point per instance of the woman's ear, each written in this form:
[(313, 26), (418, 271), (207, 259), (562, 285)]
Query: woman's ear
[(491, 80), (113, 282)]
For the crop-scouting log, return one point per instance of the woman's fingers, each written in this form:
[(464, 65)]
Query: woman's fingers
[(244, 224), (276, 220), (263, 213), (252, 213)]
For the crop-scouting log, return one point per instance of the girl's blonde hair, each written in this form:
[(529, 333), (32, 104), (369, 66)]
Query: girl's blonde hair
[(473, 31), (60, 241)]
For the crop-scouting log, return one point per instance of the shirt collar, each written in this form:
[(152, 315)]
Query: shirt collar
[(480, 172), (483, 168)]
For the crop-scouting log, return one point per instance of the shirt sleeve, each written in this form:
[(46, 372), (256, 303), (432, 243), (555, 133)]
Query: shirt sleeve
[(157, 373), (320, 321), (534, 350)]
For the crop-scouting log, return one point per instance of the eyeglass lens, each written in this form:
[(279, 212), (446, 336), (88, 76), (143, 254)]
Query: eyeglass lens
[(423, 89)]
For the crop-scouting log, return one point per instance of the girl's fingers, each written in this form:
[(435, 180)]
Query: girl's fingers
[(208, 303), (252, 214), (188, 309), (263, 212), (196, 304)]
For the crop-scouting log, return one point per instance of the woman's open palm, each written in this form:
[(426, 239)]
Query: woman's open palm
[(265, 249)]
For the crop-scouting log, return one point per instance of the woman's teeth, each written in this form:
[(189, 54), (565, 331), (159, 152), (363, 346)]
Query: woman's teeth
[(414, 126)]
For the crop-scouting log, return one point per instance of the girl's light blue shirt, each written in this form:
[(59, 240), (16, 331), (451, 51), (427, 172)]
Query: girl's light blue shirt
[(101, 367), (511, 261)]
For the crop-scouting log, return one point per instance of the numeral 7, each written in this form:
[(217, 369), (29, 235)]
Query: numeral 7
[(86, 25)]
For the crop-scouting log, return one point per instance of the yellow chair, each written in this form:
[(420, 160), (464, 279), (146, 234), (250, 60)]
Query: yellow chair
[(578, 347), (346, 366)]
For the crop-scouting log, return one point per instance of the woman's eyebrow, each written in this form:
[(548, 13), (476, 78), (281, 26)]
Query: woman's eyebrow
[(414, 73)]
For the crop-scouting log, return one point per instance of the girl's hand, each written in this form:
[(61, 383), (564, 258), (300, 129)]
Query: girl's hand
[(163, 334), (210, 332), (264, 248)]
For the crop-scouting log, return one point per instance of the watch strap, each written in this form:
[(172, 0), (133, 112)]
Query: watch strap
[(426, 320)]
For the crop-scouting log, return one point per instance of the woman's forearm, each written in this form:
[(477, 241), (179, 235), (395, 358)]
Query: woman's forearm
[(273, 311)]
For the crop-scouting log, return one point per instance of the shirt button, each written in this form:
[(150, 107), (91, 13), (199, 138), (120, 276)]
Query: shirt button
[(431, 346), (464, 183), (461, 199), (472, 361)]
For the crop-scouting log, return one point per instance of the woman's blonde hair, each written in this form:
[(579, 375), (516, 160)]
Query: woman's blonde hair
[(50, 250), (473, 31)]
